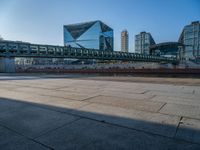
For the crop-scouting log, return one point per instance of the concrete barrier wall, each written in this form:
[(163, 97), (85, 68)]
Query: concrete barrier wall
[(7, 65)]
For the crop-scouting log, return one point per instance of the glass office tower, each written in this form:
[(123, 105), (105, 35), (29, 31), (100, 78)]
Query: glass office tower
[(190, 37), (143, 41), (93, 35)]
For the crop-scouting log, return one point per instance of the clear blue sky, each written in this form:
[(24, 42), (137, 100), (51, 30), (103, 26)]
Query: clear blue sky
[(41, 21)]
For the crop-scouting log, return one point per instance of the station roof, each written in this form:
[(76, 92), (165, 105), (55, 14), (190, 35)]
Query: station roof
[(165, 45)]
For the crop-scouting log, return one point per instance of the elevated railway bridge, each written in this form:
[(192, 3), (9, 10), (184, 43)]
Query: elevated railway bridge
[(11, 49)]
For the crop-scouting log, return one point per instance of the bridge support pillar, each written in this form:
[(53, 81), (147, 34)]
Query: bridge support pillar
[(7, 65)]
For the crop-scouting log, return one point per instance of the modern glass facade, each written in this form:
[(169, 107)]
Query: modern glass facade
[(167, 49), (124, 41), (190, 37), (143, 41), (93, 35)]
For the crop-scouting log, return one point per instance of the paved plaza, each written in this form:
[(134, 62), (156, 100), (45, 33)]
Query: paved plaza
[(42, 112)]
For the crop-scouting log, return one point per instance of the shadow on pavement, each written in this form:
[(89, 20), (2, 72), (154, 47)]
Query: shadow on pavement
[(28, 125)]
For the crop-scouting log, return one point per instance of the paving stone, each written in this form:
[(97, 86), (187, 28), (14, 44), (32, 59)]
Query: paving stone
[(34, 121), (10, 140), (171, 89), (189, 130), (125, 116), (90, 135), (56, 103), (174, 94), (127, 89), (8, 86), (145, 105), (182, 110), (13, 95), (10, 105), (38, 99), (127, 95), (69, 95), (135, 119), (176, 100), (33, 90), (69, 104)]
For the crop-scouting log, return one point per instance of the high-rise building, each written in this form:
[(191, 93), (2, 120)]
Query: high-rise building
[(94, 35), (190, 37), (124, 41), (143, 41)]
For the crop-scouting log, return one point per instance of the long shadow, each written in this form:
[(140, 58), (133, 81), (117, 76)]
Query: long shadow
[(54, 127)]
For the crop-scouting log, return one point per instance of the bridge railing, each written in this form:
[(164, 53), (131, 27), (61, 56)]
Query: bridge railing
[(23, 49)]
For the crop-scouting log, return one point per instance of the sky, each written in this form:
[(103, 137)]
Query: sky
[(41, 21)]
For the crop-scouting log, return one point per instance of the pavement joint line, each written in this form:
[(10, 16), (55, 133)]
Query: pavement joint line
[(58, 89), (89, 103), (161, 107), (59, 97), (48, 107), (24, 136), (134, 129), (168, 92), (176, 126), (120, 107), (191, 118), (180, 122), (179, 116), (146, 91), (52, 130), (90, 97), (68, 98), (175, 138), (55, 97), (151, 97), (42, 144), (37, 87), (83, 117), (22, 86)]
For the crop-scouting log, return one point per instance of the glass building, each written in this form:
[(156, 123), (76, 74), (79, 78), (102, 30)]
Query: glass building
[(143, 41), (190, 37), (94, 35), (167, 49), (124, 41)]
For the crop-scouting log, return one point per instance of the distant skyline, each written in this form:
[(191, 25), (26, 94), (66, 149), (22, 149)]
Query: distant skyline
[(41, 21)]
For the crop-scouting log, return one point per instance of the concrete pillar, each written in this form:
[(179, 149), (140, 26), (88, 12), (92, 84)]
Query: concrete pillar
[(7, 65)]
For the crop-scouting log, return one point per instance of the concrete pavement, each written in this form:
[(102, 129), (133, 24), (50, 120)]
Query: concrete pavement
[(39, 112)]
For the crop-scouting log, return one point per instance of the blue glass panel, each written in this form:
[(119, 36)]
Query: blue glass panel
[(92, 33), (67, 37), (93, 44)]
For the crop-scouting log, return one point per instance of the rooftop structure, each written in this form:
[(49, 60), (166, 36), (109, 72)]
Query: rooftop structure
[(166, 49)]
